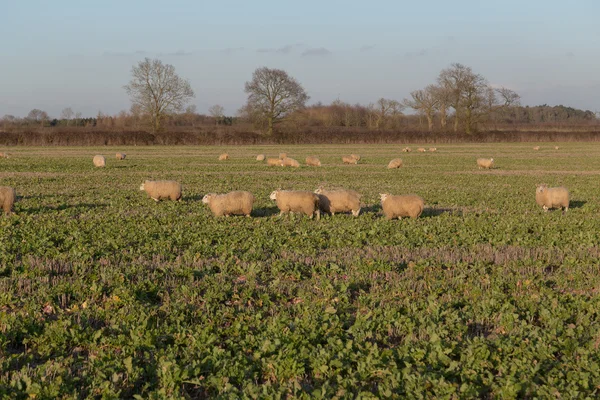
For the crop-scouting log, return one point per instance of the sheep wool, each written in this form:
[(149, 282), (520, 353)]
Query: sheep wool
[(260, 157), (332, 201), (290, 162), (273, 162), (224, 157), (486, 163), (99, 161), (296, 201), (162, 190), (406, 150), (556, 197), (401, 206), (282, 156), (395, 163), (555, 147), (232, 203), (7, 198), (313, 161), (120, 156), (349, 160), (432, 149), (4, 155), (421, 150), (536, 148)]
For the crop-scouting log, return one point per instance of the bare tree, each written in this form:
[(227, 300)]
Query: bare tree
[(77, 117), (425, 101), (67, 114), (453, 79), (383, 109), (473, 100), (217, 112), (158, 90), (272, 96), (37, 116), (443, 96), (508, 97)]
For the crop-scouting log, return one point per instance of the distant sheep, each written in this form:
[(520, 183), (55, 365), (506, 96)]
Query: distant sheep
[(260, 157), (350, 159), (401, 206), (313, 161), (120, 156), (536, 148), (4, 155), (486, 163), (162, 190), (271, 162), (282, 156), (296, 201), (355, 156), (290, 162), (432, 149), (232, 203), (99, 161), (555, 147), (421, 150), (224, 157), (406, 150), (395, 163), (555, 197), (332, 201), (7, 198)]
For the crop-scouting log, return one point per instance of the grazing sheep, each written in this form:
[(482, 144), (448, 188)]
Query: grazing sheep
[(232, 203), (99, 161), (313, 161), (355, 156), (290, 162), (4, 155), (395, 163), (401, 206), (332, 201), (121, 156), (162, 190), (271, 162), (349, 160), (555, 197), (406, 150), (536, 148), (282, 156), (7, 198), (260, 157), (297, 201), (486, 163), (224, 157), (421, 150), (432, 149), (555, 147)]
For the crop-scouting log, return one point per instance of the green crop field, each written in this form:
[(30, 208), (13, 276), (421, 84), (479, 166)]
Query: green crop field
[(106, 294)]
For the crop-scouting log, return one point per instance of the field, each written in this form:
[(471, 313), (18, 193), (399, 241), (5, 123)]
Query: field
[(106, 294)]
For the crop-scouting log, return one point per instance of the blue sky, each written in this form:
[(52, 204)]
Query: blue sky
[(79, 54)]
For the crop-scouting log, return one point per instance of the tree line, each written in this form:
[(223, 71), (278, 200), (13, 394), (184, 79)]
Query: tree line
[(460, 99)]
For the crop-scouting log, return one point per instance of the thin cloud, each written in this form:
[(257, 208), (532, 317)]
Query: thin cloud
[(367, 47), (319, 51), (231, 50), (417, 53), (177, 53), (287, 49), (124, 53)]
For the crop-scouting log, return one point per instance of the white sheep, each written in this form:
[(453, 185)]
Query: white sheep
[(120, 156), (555, 147), (313, 161), (395, 163), (290, 162), (421, 150), (297, 201), (260, 157), (332, 201), (536, 148), (406, 150), (401, 206), (232, 203), (486, 163), (274, 161), (349, 160), (555, 197), (282, 156), (432, 149), (224, 157), (162, 190), (4, 155), (99, 161), (7, 198)]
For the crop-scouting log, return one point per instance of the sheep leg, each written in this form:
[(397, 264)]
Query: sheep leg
[(355, 212), (545, 208), (318, 212), (156, 200)]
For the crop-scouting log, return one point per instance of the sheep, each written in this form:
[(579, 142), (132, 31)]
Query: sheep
[(401, 206), (536, 148), (421, 150), (406, 150), (232, 203), (349, 160), (99, 161), (274, 161), (432, 149), (297, 201), (486, 163), (4, 155), (260, 157), (290, 162), (282, 156), (555, 147), (313, 161), (224, 157), (7, 198), (555, 197), (395, 163), (332, 201), (120, 156), (162, 190), (355, 156)]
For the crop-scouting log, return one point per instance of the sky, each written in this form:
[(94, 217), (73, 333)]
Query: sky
[(79, 54)]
